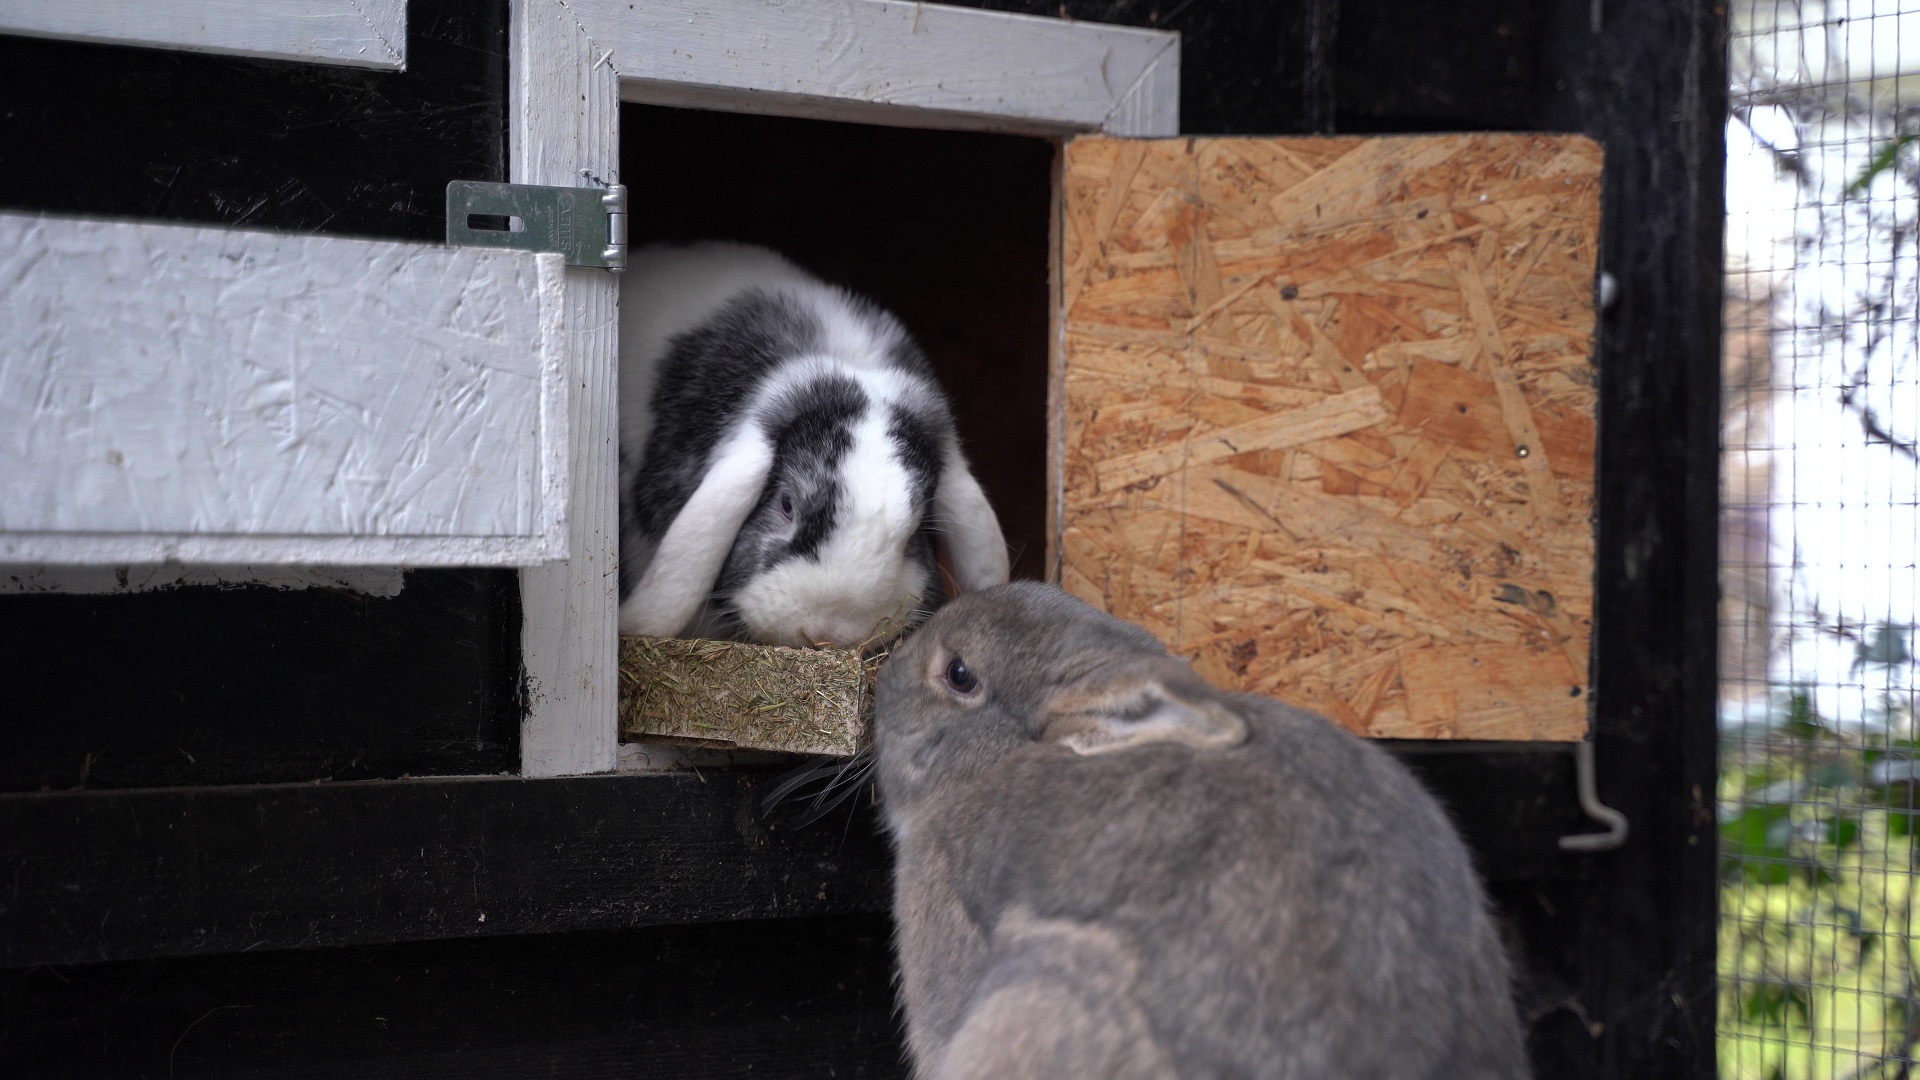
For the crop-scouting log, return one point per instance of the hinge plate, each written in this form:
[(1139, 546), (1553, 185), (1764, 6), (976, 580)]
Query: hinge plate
[(588, 226)]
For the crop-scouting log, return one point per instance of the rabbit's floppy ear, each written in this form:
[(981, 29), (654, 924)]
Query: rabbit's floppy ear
[(687, 563), (976, 549), (1140, 711)]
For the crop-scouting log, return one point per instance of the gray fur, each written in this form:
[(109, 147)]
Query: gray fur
[(1285, 903)]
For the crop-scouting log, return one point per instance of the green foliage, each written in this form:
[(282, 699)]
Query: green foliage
[(1801, 721), (1842, 831), (1753, 846), (1882, 161), (1773, 1003), (1819, 969), (1900, 822)]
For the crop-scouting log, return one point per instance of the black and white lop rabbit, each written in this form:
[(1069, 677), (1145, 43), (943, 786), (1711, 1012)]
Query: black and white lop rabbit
[(787, 461)]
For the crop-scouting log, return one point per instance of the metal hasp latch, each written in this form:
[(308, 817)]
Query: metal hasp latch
[(586, 225)]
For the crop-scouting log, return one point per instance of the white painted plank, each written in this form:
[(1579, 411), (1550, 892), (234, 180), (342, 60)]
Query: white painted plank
[(1152, 106), (355, 33), (201, 395), (876, 61), (563, 116)]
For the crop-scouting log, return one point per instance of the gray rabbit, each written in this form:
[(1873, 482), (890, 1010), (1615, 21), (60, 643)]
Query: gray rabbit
[(1108, 867)]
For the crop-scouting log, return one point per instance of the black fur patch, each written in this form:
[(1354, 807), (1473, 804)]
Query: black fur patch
[(813, 430), (916, 439), (703, 383)]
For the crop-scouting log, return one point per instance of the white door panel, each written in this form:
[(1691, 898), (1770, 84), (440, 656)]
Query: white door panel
[(215, 395), (355, 33)]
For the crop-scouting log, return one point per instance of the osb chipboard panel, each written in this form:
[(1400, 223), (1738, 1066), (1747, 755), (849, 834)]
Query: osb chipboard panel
[(1325, 411)]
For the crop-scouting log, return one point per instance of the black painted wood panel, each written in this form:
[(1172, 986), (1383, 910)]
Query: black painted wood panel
[(1247, 67), (203, 686), (101, 876), (1648, 79), (113, 131), (260, 685), (90, 877), (804, 998), (1437, 66)]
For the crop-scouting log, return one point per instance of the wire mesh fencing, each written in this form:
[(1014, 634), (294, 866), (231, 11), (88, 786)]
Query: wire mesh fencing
[(1820, 525)]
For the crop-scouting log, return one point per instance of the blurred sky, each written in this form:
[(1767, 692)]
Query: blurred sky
[(1821, 89)]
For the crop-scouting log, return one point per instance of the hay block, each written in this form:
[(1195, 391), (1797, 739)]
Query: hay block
[(752, 697)]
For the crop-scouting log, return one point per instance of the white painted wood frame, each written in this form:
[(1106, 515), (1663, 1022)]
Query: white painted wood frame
[(875, 61), (871, 61), (354, 33), (187, 394), (564, 124)]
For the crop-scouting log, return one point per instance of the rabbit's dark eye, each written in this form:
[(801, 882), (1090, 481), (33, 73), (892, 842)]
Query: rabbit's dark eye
[(786, 506), (959, 679)]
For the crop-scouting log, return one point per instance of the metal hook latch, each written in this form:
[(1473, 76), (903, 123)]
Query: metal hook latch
[(1589, 790)]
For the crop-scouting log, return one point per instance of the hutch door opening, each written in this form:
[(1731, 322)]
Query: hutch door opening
[(947, 230)]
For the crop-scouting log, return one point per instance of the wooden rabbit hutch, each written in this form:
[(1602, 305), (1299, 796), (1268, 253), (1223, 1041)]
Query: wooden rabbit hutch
[(1333, 415), (1319, 413)]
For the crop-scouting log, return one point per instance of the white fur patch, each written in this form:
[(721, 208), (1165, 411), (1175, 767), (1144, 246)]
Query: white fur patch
[(975, 543), (688, 559), (861, 578)]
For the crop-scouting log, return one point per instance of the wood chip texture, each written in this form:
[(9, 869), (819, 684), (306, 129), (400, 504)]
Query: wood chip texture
[(753, 697), (1325, 412)]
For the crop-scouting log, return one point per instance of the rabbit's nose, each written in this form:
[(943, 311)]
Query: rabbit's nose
[(839, 633), (828, 639)]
